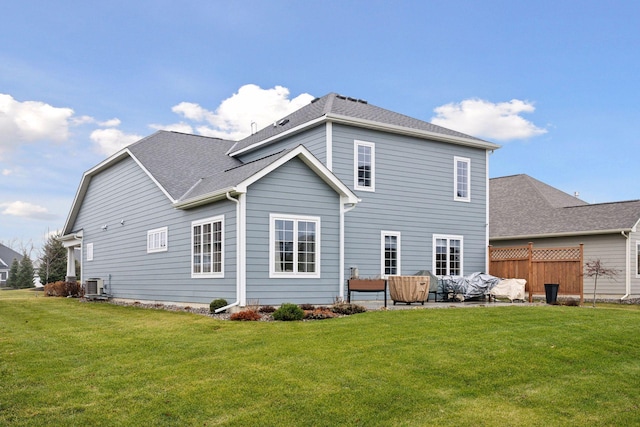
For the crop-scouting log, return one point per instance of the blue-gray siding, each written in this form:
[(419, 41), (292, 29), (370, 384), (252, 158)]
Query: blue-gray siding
[(292, 189), (313, 139), (413, 195), (125, 193)]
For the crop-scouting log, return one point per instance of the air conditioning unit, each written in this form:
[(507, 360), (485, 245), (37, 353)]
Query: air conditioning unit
[(95, 286)]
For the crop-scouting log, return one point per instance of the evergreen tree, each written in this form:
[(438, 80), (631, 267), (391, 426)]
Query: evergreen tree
[(53, 261), (25, 273), (13, 274)]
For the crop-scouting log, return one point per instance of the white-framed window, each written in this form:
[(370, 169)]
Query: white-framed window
[(157, 240), (390, 253), (364, 166), (207, 247), (462, 179), (447, 255), (294, 246), (89, 250), (638, 258)]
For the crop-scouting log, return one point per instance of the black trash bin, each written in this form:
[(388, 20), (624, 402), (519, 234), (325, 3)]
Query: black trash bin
[(551, 292)]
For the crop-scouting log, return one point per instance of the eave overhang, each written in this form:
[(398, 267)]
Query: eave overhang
[(563, 234), (370, 124)]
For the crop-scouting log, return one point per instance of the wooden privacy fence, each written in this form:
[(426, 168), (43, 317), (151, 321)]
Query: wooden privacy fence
[(539, 266)]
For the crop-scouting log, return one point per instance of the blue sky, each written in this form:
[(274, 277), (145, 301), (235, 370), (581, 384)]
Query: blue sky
[(554, 82)]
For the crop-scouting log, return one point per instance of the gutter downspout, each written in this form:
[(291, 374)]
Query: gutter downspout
[(343, 211), (240, 249), (627, 277)]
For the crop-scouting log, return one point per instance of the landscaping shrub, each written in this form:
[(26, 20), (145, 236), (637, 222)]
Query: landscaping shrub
[(217, 303), (319, 314), (246, 315), (347, 308), (288, 311), (63, 289), (307, 307), (267, 309)]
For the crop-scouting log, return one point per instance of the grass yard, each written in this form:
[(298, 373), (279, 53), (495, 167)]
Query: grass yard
[(67, 363)]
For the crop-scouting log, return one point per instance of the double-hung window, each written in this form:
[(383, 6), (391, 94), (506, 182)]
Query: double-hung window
[(462, 179), (364, 166), (157, 240), (294, 246), (447, 255), (390, 250), (207, 247)]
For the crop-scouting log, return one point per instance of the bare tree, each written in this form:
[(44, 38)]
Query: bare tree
[(595, 269)]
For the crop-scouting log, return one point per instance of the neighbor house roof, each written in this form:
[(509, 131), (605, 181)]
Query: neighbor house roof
[(356, 112), (523, 207), (7, 255)]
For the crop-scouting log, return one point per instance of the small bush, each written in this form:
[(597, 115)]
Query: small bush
[(320, 313), (250, 315), (63, 289), (347, 308), (267, 309), (288, 311), (217, 303), (307, 307)]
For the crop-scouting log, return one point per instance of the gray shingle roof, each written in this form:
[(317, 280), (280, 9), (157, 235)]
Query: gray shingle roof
[(230, 177), (178, 160), (7, 255), (521, 206), (334, 104)]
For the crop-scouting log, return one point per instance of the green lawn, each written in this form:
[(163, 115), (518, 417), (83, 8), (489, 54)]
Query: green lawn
[(63, 362)]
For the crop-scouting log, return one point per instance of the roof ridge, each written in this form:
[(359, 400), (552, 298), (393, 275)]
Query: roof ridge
[(328, 106), (604, 203), (532, 182), (255, 160)]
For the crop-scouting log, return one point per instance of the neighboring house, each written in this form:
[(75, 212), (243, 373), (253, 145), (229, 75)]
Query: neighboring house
[(285, 214), (36, 274), (7, 255), (524, 210)]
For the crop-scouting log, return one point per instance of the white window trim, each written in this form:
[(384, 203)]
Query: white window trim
[(371, 145), (448, 237), (466, 160), (272, 239), (384, 234), (209, 275), (89, 249), (160, 231)]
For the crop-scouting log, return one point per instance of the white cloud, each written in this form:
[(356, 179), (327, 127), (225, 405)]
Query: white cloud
[(78, 121), (484, 119), (112, 140), (31, 121), (25, 210), (194, 112), (233, 117), (115, 122), (6, 172)]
